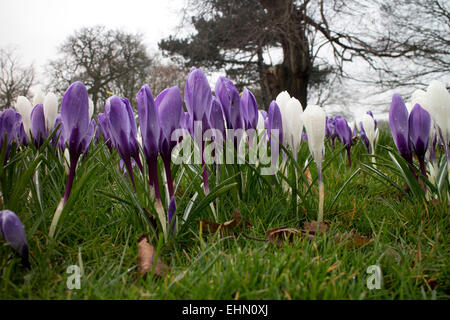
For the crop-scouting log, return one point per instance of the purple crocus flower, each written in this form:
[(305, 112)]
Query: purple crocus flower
[(374, 120), (10, 129), (231, 103), (121, 121), (217, 117), (13, 230), (264, 114), (38, 127), (59, 138), (345, 134), (330, 129), (169, 105), (77, 129), (275, 123), (419, 131), (398, 122), (197, 94), (150, 131), (103, 124), (249, 108)]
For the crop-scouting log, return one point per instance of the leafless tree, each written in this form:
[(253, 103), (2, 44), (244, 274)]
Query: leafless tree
[(106, 61), (402, 42), (15, 78)]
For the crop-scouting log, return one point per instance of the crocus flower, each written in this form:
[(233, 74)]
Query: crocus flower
[(345, 134), (103, 124), (217, 118), (419, 131), (38, 129), (282, 101), (38, 98), (24, 107), (398, 122), (228, 96), (10, 125), (169, 105), (314, 120), (77, 129), (369, 129), (12, 229), (249, 109), (197, 94), (275, 130), (59, 137), (50, 111), (198, 99), (150, 131), (123, 132), (438, 105), (294, 111)]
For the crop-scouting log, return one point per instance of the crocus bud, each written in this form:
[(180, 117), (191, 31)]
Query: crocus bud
[(249, 109), (294, 111), (282, 101), (368, 125), (398, 122), (91, 108), (13, 230), (50, 111), (197, 94), (275, 123), (24, 107), (314, 120), (38, 98), (419, 131), (438, 105), (38, 125), (231, 103)]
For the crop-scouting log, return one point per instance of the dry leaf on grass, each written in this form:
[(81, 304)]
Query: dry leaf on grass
[(280, 235), (146, 258), (313, 227), (353, 239), (225, 228)]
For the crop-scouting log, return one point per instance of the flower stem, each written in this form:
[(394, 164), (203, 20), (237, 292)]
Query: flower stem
[(321, 193)]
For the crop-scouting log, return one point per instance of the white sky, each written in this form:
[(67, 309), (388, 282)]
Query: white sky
[(38, 27)]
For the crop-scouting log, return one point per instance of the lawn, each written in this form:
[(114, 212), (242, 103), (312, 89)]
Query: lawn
[(406, 237)]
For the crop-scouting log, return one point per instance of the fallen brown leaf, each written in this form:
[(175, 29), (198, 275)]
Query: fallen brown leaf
[(313, 226), (226, 228), (353, 239), (280, 235), (146, 258)]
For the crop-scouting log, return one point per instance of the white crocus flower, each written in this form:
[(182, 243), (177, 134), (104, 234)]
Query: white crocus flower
[(24, 107), (50, 110), (91, 109), (314, 120), (282, 101), (294, 126), (38, 98), (438, 104)]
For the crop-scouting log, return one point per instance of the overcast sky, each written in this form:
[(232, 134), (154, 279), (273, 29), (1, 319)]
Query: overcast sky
[(38, 27)]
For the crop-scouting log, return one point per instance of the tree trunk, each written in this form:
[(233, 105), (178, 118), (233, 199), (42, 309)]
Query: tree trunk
[(294, 73)]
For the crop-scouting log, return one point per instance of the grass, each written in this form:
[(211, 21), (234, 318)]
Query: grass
[(410, 244)]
